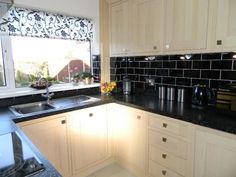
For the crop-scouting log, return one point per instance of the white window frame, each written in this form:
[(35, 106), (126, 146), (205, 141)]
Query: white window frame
[(10, 89)]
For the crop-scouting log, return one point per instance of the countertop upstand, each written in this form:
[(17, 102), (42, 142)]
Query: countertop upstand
[(209, 117)]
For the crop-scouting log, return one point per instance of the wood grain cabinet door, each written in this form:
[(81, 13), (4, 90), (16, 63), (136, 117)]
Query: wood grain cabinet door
[(215, 155), (147, 24), (119, 28), (222, 24), (185, 25), (88, 137), (50, 137)]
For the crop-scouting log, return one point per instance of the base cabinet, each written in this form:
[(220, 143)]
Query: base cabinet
[(130, 126), (147, 144), (49, 135), (88, 137), (215, 154)]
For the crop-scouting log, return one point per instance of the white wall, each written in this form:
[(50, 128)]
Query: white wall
[(80, 8)]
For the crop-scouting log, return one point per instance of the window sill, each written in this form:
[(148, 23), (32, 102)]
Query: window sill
[(31, 91)]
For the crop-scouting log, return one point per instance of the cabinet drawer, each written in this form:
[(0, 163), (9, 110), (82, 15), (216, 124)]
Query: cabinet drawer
[(162, 123), (174, 145), (159, 171), (168, 160)]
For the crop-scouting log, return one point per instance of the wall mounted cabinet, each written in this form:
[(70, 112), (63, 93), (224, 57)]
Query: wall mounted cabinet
[(157, 26), (146, 26), (119, 28), (136, 27), (222, 25), (185, 25)]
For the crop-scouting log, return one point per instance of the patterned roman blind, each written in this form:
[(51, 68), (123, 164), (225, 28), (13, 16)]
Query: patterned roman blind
[(26, 22)]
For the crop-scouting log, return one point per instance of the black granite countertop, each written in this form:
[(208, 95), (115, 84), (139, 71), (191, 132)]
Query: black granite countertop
[(209, 117)]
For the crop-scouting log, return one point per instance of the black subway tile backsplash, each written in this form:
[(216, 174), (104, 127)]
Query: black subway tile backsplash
[(201, 64), (169, 64), (176, 73), (192, 73), (222, 64), (184, 64), (212, 69), (210, 74), (229, 75), (212, 56)]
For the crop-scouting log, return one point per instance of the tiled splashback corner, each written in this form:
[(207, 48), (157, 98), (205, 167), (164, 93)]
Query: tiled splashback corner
[(96, 68), (212, 69)]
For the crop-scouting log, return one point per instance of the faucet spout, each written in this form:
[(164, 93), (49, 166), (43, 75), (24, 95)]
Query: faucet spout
[(47, 95)]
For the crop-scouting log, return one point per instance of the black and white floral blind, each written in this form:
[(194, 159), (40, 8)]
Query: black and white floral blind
[(25, 22)]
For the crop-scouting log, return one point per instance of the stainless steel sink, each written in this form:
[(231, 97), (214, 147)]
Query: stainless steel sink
[(31, 108), (79, 100), (56, 104)]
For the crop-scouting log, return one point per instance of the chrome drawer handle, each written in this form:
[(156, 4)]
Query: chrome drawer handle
[(164, 172), (90, 114), (164, 125), (63, 122), (164, 156), (164, 139)]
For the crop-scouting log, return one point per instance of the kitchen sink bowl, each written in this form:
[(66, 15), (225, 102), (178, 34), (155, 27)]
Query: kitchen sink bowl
[(79, 100), (56, 104), (31, 108)]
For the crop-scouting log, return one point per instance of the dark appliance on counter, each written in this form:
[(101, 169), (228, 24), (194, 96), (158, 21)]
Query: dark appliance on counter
[(226, 97), (19, 160), (126, 86), (202, 96)]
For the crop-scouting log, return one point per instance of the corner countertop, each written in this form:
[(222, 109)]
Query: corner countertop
[(209, 117)]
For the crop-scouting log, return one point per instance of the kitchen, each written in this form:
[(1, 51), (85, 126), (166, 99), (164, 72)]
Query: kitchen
[(158, 45)]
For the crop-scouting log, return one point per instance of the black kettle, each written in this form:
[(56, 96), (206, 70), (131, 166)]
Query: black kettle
[(202, 95)]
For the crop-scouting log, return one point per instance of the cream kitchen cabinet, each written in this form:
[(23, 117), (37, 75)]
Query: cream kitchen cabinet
[(222, 29), (49, 134), (119, 28), (215, 153), (147, 26), (88, 138), (136, 27), (130, 137), (185, 25), (170, 147)]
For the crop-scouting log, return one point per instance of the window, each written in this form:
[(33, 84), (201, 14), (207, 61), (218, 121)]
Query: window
[(2, 72), (56, 59), (23, 60)]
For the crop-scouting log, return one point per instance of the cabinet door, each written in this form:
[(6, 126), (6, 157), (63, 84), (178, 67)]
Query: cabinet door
[(130, 136), (185, 25), (147, 23), (215, 155), (50, 137), (89, 139), (119, 28), (223, 24)]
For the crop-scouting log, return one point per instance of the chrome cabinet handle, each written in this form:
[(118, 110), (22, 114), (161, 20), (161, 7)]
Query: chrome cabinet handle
[(164, 139), (164, 125), (63, 122), (164, 156), (90, 114), (219, 42), (164, 172), (138, 117)]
